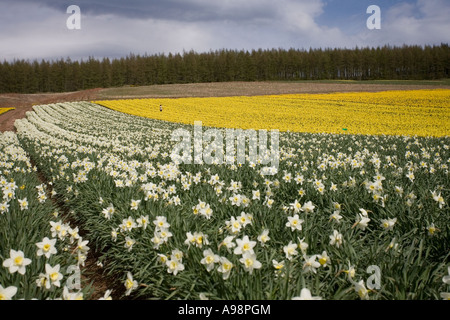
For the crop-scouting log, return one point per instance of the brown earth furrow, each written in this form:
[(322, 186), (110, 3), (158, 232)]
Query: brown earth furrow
[(25, 102)]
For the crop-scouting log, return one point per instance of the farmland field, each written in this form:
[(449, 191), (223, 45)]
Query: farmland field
[(354, 214), (417, 112)]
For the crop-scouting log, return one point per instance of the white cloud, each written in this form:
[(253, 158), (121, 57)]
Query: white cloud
[(422, 22), (42, 33)]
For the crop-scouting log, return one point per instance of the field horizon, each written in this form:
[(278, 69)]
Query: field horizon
[(256, 88)]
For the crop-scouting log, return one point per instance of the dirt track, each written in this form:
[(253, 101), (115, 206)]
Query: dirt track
[(25, 102)]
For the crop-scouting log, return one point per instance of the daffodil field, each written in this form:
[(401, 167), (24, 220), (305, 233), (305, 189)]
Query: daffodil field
[(360, 213), (415, 112)]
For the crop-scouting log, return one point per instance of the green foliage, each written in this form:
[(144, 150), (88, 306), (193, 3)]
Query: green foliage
[(22, 227)]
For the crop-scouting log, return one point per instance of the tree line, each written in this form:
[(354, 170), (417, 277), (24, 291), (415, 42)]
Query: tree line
[(380, 63)]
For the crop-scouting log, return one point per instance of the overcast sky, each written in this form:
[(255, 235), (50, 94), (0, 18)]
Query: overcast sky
[(32, 29)]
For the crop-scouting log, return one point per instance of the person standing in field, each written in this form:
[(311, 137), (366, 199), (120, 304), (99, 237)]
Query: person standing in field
[(160, 108)]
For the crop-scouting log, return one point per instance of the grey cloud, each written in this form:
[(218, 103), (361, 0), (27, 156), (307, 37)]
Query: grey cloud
[(179, 10), (31, 29)]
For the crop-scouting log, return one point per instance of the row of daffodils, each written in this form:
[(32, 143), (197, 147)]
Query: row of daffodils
[(344, 216), (42, 255)]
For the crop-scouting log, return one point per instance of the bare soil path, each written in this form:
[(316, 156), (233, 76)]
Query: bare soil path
[(24, 102)]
